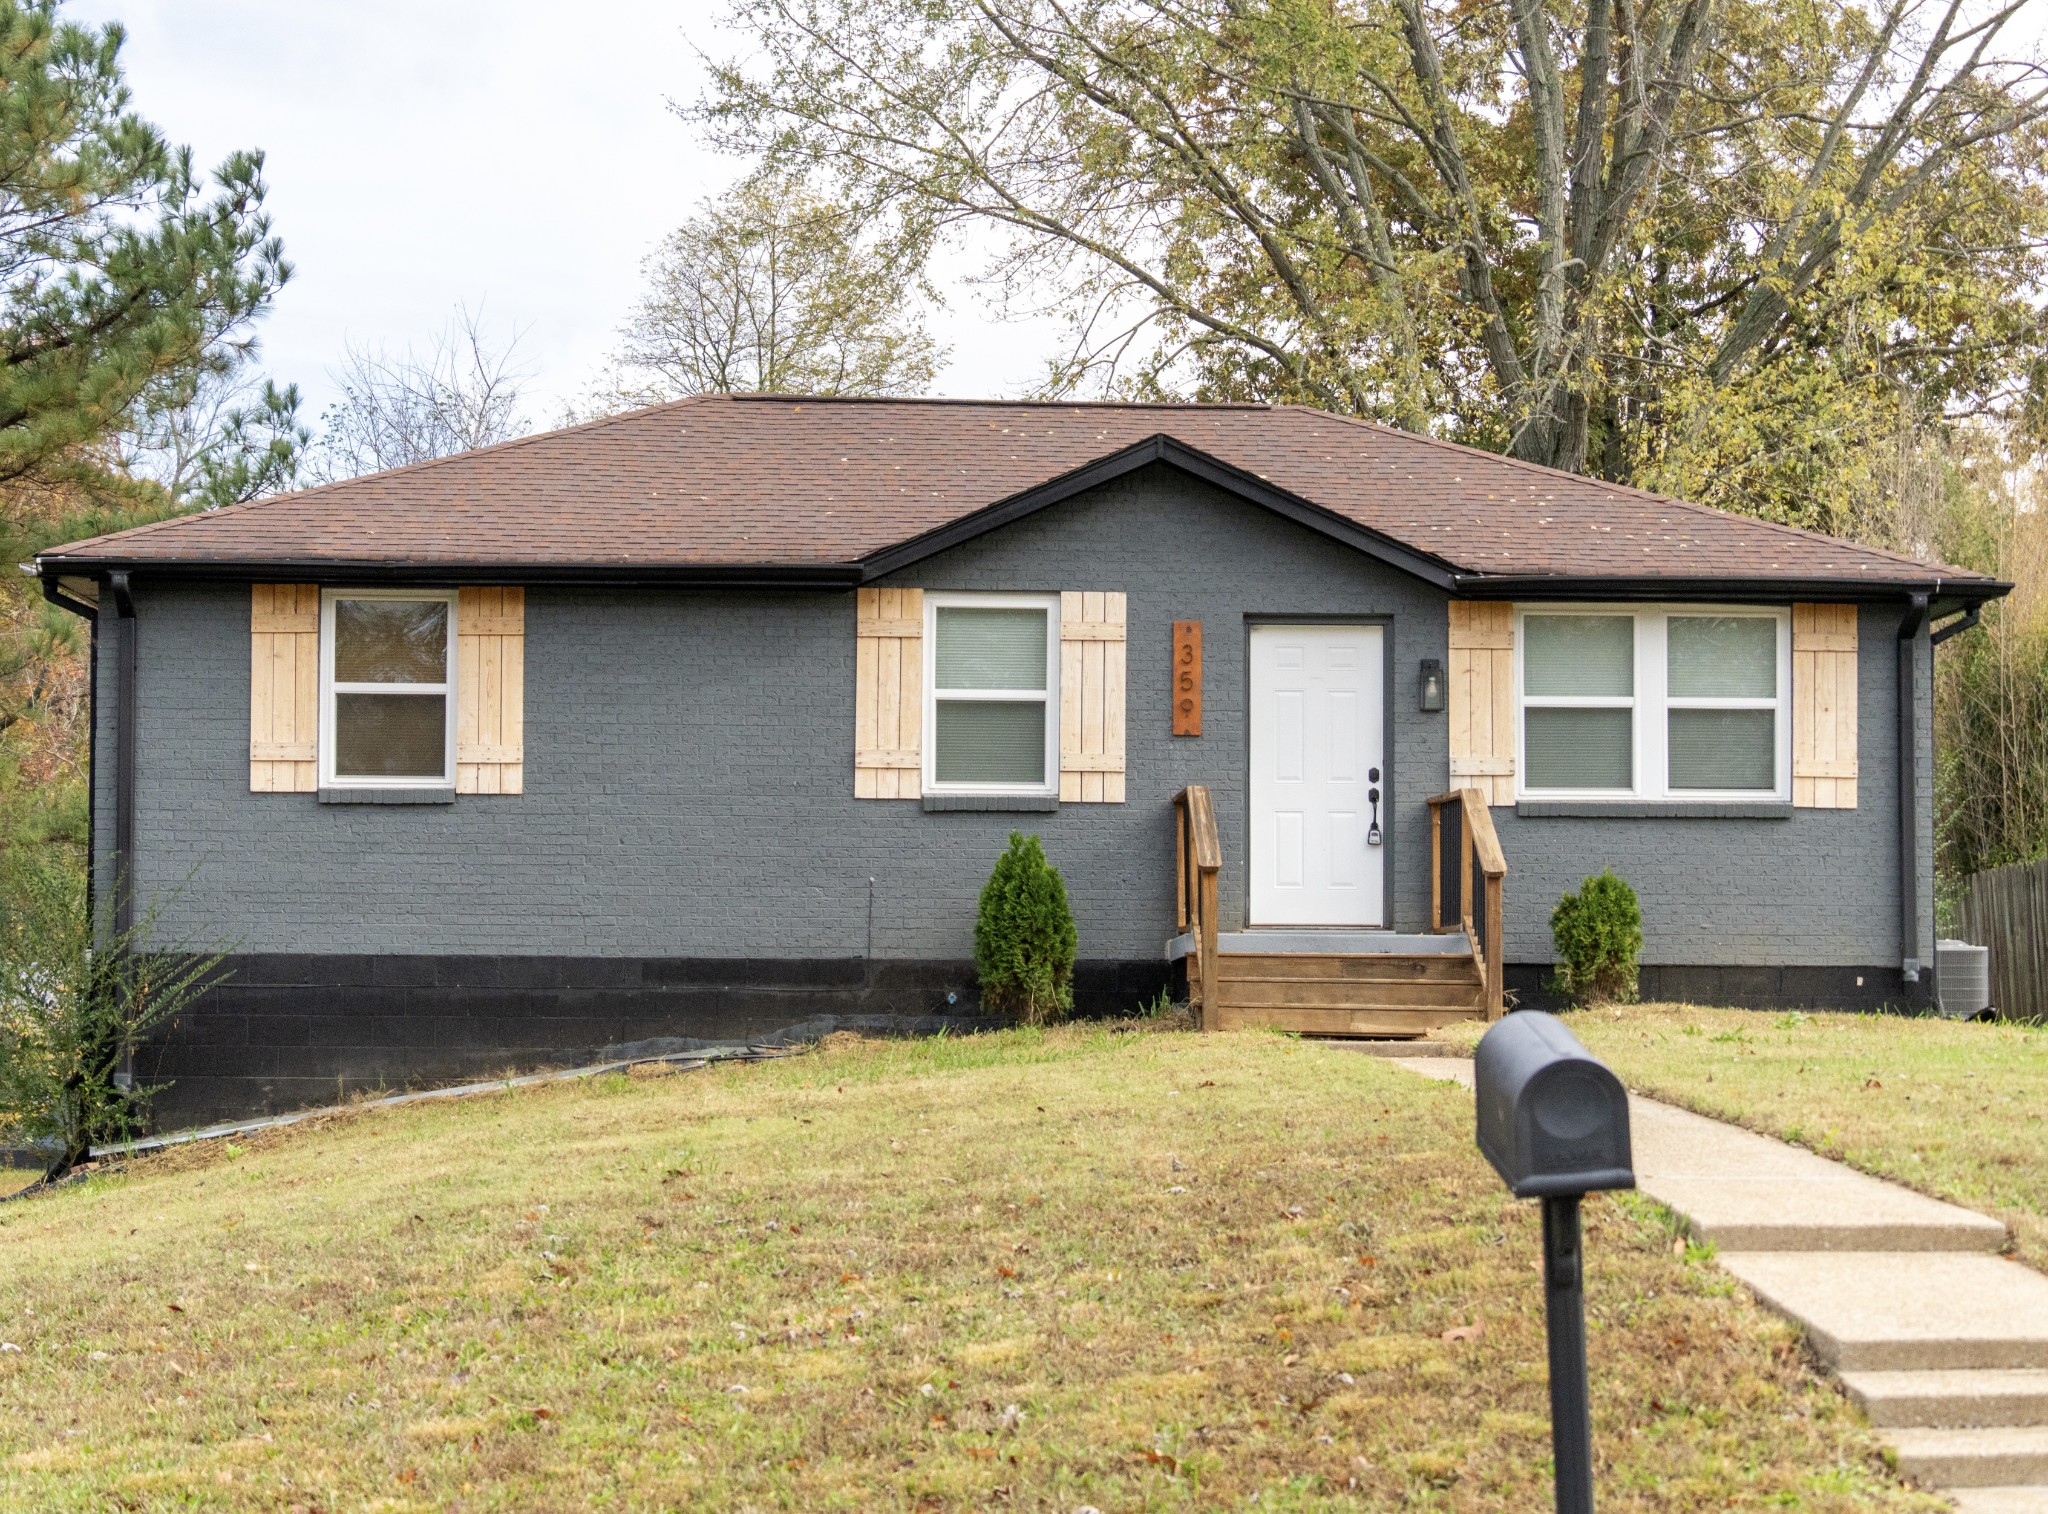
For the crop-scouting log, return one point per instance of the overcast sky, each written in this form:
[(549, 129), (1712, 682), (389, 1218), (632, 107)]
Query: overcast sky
[(422, 154)]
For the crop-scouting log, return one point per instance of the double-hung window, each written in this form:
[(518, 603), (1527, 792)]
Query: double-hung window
[(1663, 702), (991, 665), (387, 680)]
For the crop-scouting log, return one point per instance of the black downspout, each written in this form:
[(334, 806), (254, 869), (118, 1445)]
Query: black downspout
[(124, 760), (1909, 790)]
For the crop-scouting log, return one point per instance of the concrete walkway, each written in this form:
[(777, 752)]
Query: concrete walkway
[(1942, 1341)]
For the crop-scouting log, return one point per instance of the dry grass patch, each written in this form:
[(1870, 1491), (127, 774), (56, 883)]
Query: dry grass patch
[(1950, 1108), (1036, 1270)]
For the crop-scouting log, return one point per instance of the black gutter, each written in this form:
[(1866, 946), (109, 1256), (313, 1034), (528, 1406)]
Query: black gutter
[(368, 570), (124, 759), (1909, 788), (1722, 590)]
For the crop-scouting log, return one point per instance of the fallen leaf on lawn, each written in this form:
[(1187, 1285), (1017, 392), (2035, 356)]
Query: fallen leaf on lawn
[(1470, 1332), (982, 1453), (1161, 1459)]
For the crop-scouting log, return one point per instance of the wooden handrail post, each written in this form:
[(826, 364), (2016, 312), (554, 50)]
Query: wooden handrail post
[(1496, 967), (1436, 866), (1180, 863), (1465, 845), (1198, 860)]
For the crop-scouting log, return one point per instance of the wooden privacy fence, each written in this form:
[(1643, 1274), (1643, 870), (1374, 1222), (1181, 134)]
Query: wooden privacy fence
[(2006, 909)]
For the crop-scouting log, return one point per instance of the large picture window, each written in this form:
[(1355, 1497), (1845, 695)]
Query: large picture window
[(991, 665), (1666, 702), (387, 676)]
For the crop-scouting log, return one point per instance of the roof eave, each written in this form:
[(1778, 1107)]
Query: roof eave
[(1722, 588), (374, 571)]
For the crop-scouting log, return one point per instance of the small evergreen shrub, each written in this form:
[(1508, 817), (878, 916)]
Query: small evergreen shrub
[(1024, 937), (1598, 932)]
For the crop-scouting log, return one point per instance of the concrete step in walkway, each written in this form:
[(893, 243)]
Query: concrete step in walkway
[(2009, 1500), (1942, 1342), (1951, 1399)]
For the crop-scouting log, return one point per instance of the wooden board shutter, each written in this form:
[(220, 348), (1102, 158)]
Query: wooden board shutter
[(1824, 707), (1092, 641), (1481, 698), (284, 688), (888, 694), (490, 691)]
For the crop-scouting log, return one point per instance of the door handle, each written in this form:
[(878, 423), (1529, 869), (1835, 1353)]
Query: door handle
[(1372, 832)]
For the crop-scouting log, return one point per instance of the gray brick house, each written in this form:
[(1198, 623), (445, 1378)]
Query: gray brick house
[(708, 722)]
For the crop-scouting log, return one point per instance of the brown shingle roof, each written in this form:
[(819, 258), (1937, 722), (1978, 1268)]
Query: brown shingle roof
[(728, 482)]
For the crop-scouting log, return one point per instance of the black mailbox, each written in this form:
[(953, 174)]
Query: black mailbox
[(1554, 1123), (1552, 1120)]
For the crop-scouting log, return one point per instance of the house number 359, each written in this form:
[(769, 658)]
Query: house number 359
[(1187, 678)]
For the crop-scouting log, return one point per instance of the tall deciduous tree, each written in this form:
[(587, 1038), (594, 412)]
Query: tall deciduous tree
[(119, 266), (1558, 229), (462, 392), (770, 289)]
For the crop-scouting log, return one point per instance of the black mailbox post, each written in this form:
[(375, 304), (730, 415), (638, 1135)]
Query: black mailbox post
[(1554, 1124)]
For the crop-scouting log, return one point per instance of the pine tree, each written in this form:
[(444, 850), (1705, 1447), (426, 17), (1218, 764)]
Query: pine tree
[(119, 265)]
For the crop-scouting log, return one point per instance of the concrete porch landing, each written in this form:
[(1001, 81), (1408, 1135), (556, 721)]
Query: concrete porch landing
[(1942, 1342)]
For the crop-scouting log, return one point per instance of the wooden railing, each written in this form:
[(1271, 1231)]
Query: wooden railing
[(1197, 859), (1466, 878)]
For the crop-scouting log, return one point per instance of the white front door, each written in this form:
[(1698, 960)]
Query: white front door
[(1318, 807)]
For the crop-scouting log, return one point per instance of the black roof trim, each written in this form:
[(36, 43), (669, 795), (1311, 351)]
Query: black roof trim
[(1161, 448), (1721, 589), (594, 575)]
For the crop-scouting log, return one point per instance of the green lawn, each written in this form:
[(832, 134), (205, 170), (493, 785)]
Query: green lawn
[(1021, 1271), (1953, 1109)]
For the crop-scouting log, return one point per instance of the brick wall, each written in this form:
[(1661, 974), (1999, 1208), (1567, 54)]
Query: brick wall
[(689, 784)]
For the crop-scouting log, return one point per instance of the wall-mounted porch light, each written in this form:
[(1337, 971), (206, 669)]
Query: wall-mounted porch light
[(1432, 686)]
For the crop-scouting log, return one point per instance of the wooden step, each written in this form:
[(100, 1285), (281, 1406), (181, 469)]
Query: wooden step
[(1333, 1022), (1440, 967), (1379, 994), (1327, 993)]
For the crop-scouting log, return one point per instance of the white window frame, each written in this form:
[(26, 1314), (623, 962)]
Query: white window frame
[(1651, 704), (1050, 604), (329, 688)]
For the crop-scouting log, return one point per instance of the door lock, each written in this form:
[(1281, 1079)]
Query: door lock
[(1372, 833)]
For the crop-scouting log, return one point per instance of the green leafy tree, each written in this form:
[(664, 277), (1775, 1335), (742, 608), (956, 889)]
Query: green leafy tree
[(1024, 937), (1569, 232), (772, 290)]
